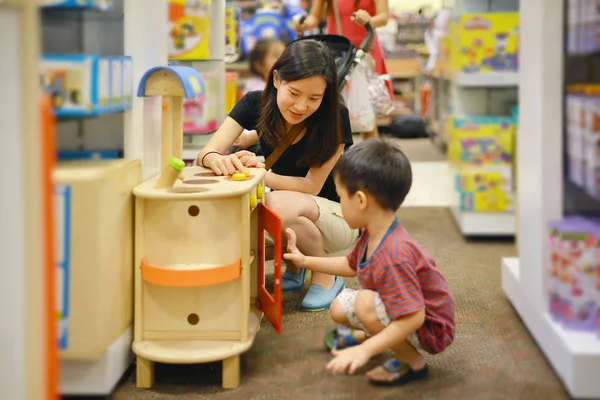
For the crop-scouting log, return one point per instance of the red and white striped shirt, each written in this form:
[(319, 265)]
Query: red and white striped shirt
[(406, 278)]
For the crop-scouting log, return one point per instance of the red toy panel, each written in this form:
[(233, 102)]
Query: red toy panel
[(269, 304)]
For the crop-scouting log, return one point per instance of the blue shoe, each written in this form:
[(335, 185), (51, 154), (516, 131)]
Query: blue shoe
[(319, 299), (291, 282)]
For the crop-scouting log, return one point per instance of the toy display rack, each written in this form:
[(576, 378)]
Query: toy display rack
[(574, 356), (472, 96)]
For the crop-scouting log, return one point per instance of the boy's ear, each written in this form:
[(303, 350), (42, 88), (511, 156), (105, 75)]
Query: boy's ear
[(362, 200), (276, 81)]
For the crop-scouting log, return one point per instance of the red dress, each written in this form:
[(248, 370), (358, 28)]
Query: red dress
[(356, 33)]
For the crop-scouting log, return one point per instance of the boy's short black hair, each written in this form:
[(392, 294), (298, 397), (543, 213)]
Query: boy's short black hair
[(378, 167)]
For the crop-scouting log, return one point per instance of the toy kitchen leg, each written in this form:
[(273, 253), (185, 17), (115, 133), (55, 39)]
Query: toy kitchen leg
[(199, 288)]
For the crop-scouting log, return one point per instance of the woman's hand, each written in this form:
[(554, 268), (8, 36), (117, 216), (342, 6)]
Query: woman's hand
[(249, 159), (294, 255), (225, 165), (361, 17), (310, 22)]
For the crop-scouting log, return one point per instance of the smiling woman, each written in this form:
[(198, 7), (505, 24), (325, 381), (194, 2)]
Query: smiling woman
[(302, 90)]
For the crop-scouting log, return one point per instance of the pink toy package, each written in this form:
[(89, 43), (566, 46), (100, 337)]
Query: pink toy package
[(555, 268), (195, 116), (577, 287), (200, 112), (596, 272)]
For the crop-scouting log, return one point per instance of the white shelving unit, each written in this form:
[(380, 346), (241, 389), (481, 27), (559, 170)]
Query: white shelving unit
[(575, 356), (472, 94), (23, 333)]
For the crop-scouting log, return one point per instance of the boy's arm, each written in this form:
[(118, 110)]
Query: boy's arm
[(338, 266), (395, 333)]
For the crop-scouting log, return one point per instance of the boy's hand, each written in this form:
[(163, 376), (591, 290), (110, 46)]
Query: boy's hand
[(349, 359), (293, 255)]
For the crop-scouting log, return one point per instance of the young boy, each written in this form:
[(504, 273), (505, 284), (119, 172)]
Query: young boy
[(403, 293)]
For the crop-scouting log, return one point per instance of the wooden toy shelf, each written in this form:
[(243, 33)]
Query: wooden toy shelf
[(200, 291)]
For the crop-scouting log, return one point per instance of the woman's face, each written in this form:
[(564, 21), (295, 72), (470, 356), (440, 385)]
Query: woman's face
[(298, 100)]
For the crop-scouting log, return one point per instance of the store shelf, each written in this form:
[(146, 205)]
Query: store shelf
[(484, 223), (488, 79), (575, 356), (404, 68), (98, 377)]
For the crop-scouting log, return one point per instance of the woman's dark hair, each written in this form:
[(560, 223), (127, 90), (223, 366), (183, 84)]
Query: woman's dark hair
[(259, 52), (302, 59)]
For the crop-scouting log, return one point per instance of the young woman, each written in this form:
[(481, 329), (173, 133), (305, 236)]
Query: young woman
[(354, 14), (301, 90)]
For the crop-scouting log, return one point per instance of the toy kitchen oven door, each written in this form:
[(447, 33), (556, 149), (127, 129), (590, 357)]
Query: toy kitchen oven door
[(200, 290)]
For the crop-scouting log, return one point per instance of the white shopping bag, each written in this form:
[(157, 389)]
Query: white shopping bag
[(357, 99)]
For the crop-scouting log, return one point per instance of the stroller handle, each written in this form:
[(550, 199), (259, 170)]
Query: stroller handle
[(365, 44)]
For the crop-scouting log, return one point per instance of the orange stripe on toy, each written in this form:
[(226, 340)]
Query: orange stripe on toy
[(189, 276)]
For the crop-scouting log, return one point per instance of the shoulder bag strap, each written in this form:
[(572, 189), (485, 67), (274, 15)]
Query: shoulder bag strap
[(291, 136)]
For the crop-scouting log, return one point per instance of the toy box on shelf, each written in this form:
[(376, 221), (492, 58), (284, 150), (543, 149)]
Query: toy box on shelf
[(481, 152), (574, 273), (94, 214), (233, 38), (200, 112), (485, 48), (583, 136), (582, 26), (87, 84), (189, 30), (104, 5), (231, 90)]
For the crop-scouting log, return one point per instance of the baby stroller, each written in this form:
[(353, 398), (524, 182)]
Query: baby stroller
[(346, 54)]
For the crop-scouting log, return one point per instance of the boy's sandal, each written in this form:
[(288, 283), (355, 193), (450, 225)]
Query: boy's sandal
[(401, 372), (339, 338)]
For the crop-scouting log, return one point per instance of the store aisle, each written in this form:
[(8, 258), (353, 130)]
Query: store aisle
[(493, 356)]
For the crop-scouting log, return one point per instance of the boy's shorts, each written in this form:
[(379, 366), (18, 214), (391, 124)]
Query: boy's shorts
[(347, 299), (426, 337), (337, 235)]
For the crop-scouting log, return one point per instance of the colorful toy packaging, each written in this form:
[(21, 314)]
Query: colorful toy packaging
[(86, 84), (231, 89), (485, 190), (481, 149), (481, 141), (189, 30), (232, 34), (574, 273), (583, 26), (200, 113), (487, 43), (583, 136)]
